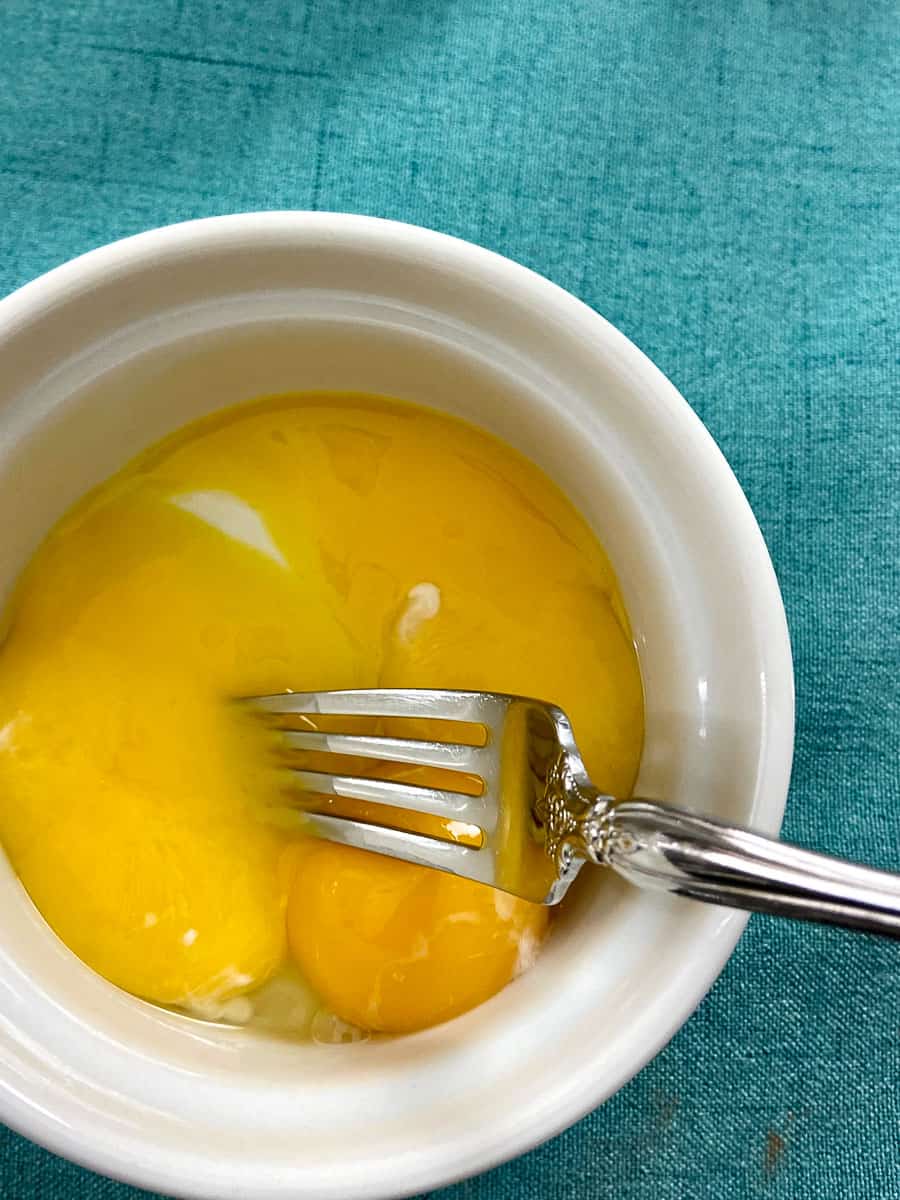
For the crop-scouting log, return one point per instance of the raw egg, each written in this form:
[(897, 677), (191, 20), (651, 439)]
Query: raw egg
[(299, 542)]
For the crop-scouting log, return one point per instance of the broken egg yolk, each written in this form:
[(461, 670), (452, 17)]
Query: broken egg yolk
[(304, 542)]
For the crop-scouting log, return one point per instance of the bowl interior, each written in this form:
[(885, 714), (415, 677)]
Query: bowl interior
[(111, 353)]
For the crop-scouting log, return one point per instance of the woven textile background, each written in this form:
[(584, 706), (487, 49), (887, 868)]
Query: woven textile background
[(721, 181)]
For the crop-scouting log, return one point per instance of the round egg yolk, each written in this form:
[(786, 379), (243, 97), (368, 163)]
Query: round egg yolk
[(305, 542), (393, 947)]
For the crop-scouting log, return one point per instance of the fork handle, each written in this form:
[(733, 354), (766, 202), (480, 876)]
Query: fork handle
[(676, 851)]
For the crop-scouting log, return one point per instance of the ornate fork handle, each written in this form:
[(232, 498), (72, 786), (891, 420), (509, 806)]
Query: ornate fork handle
[(675, 851)]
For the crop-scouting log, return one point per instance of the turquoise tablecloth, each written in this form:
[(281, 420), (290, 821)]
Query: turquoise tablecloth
[(721, 181)]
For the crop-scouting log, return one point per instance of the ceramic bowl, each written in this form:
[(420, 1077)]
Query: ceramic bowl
[(106, 354)]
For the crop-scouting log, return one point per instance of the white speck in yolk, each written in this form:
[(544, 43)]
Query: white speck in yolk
[(150, 919), (422, 603), (189, 937)]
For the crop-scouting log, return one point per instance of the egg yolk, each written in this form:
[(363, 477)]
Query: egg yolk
[(393, 947), (304, 542)]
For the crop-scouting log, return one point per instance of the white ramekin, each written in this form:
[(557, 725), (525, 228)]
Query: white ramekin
[(109, 352)]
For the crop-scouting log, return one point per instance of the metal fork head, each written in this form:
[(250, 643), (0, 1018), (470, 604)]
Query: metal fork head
[(499, 780)]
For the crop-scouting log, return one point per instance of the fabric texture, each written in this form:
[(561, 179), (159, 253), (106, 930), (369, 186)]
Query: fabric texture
[(721, 182)]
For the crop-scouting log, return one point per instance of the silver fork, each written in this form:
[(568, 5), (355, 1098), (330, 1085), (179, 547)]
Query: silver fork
[(538, 819)]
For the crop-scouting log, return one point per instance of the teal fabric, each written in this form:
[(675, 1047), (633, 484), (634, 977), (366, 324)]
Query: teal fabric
[(721, 181)]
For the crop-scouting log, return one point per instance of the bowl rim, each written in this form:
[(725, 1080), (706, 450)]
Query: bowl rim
[(221, 233)]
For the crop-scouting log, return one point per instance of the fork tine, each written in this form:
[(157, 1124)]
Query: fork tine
[(412, 847), (444, 705), (451, 755), (453, 806)]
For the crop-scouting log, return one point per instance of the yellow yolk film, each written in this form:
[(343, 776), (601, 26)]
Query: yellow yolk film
[(302, 542)]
